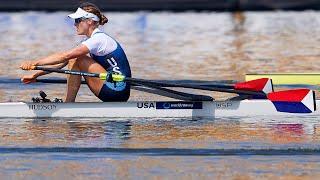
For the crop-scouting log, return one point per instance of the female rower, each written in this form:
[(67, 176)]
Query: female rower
[(106, 55)]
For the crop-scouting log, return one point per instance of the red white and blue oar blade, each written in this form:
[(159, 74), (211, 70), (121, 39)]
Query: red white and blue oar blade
[(294, 101), (258, 85)]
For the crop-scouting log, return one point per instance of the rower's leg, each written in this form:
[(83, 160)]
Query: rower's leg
[(85, 64), (73, 82)]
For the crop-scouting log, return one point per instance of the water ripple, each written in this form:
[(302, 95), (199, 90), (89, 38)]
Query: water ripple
[(165, 151)]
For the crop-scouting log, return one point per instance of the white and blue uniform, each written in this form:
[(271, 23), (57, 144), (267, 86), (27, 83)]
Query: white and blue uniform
[(108, 53)]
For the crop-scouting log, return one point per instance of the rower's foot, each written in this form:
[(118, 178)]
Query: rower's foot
[(43, 99)]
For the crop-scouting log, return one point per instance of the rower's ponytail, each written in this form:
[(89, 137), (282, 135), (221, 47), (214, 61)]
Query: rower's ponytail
[(92, 8), (103, 19)]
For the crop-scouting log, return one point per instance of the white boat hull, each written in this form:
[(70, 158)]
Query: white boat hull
[(145, 109)]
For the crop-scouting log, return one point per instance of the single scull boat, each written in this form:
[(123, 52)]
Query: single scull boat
[(289, 102)]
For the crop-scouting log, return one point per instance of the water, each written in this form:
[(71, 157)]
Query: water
[(151, 148), (163, 45)]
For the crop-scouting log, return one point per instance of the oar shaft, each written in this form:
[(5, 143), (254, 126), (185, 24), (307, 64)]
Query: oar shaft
[(55, 81), (68, 72)]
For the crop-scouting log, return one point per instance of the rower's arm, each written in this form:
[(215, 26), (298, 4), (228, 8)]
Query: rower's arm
[(62, 57)]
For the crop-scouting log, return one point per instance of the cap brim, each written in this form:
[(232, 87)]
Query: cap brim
[(74, 15), (82, 13), (78, 14)]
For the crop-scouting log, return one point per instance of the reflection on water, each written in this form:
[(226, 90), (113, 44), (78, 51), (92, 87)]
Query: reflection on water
[(161, 133), (229, 148), (162, 45)]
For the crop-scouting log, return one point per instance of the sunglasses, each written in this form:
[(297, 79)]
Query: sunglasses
[(78, 20)]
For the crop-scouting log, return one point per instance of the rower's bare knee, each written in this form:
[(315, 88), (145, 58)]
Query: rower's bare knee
[(78, 62), (72, 63)]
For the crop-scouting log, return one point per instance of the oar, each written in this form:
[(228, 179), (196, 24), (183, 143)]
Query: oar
[(117, 78), (161, 83), (237, 88), (251, 86), (294, 101), (219, 83), (226, 89), (259, 85)]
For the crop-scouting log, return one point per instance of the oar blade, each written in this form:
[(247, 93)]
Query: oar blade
[(294, 101), (258, 85)]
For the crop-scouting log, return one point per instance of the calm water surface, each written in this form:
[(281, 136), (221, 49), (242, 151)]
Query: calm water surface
[(197, 46)]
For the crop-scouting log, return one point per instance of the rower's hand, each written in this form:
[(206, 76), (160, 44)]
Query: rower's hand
[(27, 65), (31, 78)]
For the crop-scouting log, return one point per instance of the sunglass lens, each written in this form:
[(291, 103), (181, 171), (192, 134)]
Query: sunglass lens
[(77, 21)]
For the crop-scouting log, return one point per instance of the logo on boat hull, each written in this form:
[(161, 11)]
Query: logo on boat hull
[(223, 105), (179, 105), (170, 105), (42, 107), (145, 105)]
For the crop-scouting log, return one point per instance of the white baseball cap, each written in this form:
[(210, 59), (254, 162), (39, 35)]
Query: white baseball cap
[(80, 13)]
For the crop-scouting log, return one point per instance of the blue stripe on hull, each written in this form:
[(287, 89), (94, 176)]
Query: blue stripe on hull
[(291, 107)]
